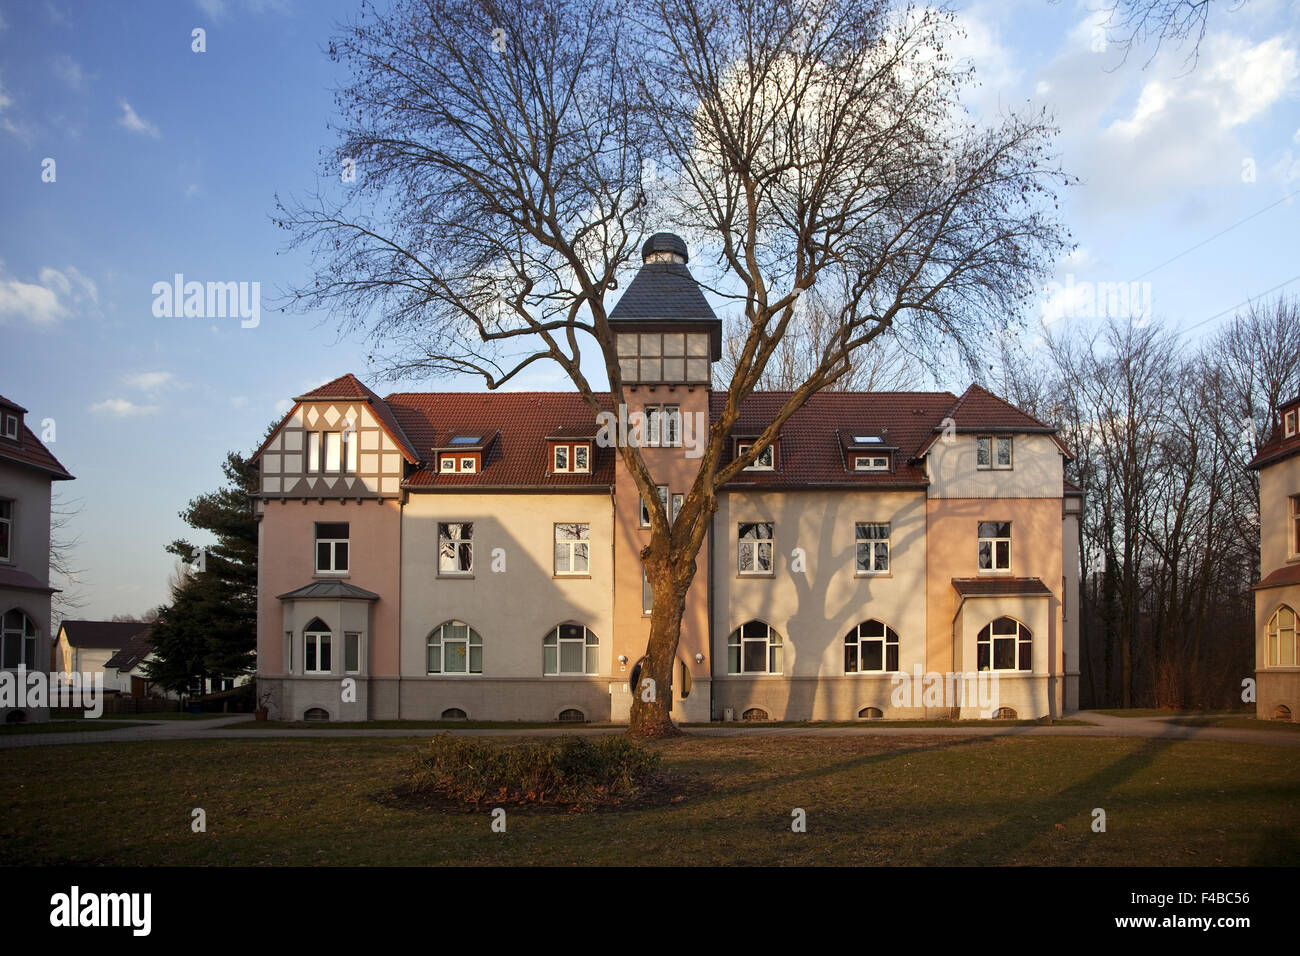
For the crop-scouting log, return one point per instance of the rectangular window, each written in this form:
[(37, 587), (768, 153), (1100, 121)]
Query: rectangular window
[(663, 426), (870, 463), (1295, 527), (677, 508), (764, 460), (645, 512), (873, 547), (333, 451), (447, 463), (647, 595), (573, 549), (754, 547), (995, 546), (313, 451), (6, 529), (11, 426), (288, 652), (316, 657), (351, 652), (331, 547), (350, 452), (1289, 424), (467, 464), (993, 452), (455, 547), (561, 458), (581, 458)]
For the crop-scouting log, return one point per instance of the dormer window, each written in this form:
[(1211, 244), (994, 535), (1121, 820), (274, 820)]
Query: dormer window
[(871, 463), (993, 452), (467, 464), (11, 426), (1289, 424), (448, 463), (464, 464), (571, 458), (764, 462)]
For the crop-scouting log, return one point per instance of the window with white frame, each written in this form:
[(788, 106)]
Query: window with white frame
[(561, 458), (871, 463), (645, 511), (663, 426), (467, 464), (870, 647), (570, 649), (1004, 645), (18, 641), (581, 458), (11, 426), (754, 648), (572, 549), (1283, 639), (313, 451), (647, 594), (333, 451), (351, 652), (316, 648), (754, 547), (455, 547), (872, 540), (6, 529), (1289, 424), (454, 647), (331, 547), (448, 463), (764, 462), (993, 451), (994, 548)]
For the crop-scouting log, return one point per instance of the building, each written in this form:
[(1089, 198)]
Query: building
[(86, 647), (1277, 595), (477, 554), (27, 473)]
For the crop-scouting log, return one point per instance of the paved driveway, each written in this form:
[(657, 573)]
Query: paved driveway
[(1103, 726)]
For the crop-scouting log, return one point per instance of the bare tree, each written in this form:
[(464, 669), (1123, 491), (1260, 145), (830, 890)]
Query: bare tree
[(64, 574), (499, 150), (1136, 22)]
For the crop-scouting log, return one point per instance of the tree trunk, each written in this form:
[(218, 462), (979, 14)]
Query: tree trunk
[(652, 698)]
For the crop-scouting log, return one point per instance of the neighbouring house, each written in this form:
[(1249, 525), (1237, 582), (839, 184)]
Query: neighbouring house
[(477, 555), (1277, 595), (86, 647), (124, 671), (27, 472)]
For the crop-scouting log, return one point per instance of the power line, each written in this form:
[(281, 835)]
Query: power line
[(1234, 308), (1240, 222)]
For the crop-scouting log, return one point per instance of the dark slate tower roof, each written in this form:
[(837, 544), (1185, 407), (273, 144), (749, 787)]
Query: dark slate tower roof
[(663, 290)]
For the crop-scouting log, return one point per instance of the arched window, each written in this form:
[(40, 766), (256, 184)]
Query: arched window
[(455, 648), (570, 649), (18, 641), (1004, 645), (316, 648), (1282, 639), (754, 648), (871, 646)]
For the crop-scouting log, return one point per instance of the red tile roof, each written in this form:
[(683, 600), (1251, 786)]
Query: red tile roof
[(979, 410), (999, 587), (28, 449), (349, 388), (1275, 449), (518, 455), (810, 452)]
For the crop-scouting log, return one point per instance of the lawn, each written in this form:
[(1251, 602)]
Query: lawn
[(416, 726), (1157, 712), (1243, 723), (162, 715), (869, 801)]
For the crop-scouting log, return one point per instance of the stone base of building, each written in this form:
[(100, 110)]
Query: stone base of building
[(1277, 694)]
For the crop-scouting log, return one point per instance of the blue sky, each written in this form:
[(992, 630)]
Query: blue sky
[(168, 161)]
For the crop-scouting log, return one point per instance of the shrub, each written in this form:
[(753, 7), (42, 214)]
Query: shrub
[(579, 772)]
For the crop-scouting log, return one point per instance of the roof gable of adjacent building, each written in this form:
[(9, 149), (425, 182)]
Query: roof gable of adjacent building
[(101, 635), (25, 449)]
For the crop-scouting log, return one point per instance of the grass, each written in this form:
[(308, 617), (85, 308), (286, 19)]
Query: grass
[(879, 800), (1244, 723), (1157, 712), (61, 727), (896, 724)]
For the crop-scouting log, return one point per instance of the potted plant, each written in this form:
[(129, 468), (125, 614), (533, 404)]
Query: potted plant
[(260, 712)]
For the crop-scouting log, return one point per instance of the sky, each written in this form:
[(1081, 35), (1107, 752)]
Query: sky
[(129, 158)]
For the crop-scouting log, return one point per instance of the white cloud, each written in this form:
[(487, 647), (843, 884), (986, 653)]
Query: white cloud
[(69, 71), (44, 303), (213, 9), (150, 381), (121, 408), (282, 406), (133, 121)]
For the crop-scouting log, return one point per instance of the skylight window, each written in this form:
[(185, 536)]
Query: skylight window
[(867, 439), (466, 440)]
